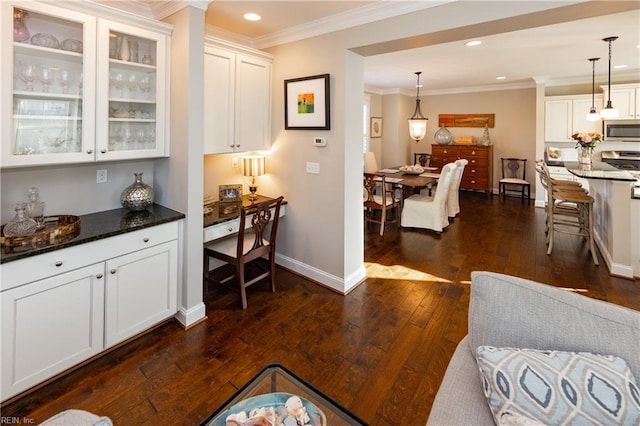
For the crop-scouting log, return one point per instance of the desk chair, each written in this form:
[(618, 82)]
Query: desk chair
[(422, 158), (248, 247), (377, 200), (514, 173)]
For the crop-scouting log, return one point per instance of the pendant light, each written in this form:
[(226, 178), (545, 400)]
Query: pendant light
[(609, 111), (593, 114), (417, 122)]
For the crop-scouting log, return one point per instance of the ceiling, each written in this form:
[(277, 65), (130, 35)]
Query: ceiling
[(557, 54)]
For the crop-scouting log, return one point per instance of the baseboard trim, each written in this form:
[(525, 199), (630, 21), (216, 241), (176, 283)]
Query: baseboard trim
[(191, 316), (340, 285)]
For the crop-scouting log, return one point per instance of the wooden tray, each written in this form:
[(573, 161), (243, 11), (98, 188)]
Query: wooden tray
[(61, 227)]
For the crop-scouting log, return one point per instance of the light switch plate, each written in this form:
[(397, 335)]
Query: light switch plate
[(313, 168)]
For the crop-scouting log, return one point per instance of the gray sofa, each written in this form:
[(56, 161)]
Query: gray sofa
[(507, 311)]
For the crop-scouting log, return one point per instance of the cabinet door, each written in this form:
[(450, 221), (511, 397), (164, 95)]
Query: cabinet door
[(141, 290), (50, 325), (47, 111), (253, 103), (624, 100), (557, 120), (133, 86), (219, 100), (579, 123)]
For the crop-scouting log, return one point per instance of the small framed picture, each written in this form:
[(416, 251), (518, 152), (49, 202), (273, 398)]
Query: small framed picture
[(376, 127), (230, 193), (307, 103)]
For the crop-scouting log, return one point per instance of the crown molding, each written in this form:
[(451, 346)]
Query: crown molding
[(219, 33), (162, 9), (362, 15)]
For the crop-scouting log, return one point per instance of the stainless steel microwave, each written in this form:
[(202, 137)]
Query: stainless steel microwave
[(622, 131)]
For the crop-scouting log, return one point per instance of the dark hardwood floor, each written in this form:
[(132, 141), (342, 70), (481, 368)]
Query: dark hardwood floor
[(381, 351)]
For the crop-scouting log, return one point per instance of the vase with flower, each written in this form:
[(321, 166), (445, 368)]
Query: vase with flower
[(585, 143)]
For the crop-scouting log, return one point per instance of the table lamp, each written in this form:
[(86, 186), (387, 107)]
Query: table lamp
[(253, 166)]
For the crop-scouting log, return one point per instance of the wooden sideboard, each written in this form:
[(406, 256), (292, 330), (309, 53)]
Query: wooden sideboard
[(478, 174)]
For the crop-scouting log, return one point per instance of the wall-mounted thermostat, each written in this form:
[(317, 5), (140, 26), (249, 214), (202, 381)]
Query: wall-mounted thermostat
[(320, 141)]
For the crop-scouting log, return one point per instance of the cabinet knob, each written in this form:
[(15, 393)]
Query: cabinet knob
[(103, 151), (58, 263), (473, 170), (473, 181), (89, 151), (99, 276), (230, 229), (113, 271), (473, 153), (146, 240)]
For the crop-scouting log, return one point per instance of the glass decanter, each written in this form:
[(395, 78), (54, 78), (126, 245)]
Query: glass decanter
[(21, 224), (35, 207)]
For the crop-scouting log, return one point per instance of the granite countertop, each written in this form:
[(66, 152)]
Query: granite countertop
[(599, 170), (96, 226)]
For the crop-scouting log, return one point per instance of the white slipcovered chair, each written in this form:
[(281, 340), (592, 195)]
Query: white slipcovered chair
[(423, 211), (453, 200), (370, 162)]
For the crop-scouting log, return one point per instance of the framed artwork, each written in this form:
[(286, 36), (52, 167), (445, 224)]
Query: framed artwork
[(230, 193), (376, 127), (307, 103)]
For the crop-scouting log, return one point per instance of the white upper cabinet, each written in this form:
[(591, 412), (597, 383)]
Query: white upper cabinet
[(566, 115), (626, 99), (237, 105), (58, 103)]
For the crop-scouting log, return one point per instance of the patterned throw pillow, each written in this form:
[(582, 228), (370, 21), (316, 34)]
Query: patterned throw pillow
[(553, 387)]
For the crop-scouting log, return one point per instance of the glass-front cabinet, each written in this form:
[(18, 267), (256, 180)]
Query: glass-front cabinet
[(131, 92), (80, 88)]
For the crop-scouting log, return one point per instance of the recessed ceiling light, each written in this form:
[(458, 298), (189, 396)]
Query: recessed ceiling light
[(473, 43), (252, 16), (501, 78), (620, 66)]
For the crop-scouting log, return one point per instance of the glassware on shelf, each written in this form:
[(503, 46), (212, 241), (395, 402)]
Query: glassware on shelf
[(35, 207), (21, 224), (28, 74), (133, 51), (118, 81), (45, 75), (147, 60), (66, 79), (20, 31), (132, 85), (125, 53), (145, 85)]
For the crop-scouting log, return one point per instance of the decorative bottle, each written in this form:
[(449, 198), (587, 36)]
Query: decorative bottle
[(35, 207), (21, 224), (125, 53), (443, 136), (137, 196), (20, 31)]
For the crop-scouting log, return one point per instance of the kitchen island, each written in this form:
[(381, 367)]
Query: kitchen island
[(616, 212)]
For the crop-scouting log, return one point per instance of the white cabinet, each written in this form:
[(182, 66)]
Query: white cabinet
[(140, 291), (65, 306), (58, 108), (566, 115), (237, 106), (626, 99), (51, 325)]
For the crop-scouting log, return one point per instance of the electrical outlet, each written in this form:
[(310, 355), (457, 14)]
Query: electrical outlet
[(101, 176), (234, 162), (313, 168)]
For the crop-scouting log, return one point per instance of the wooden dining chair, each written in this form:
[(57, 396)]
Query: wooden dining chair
[(248, 248), (422, 158), (514, 178), (378, 201)]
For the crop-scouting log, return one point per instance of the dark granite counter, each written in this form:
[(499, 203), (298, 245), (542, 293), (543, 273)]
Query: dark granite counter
[(96, 226), (599, 170)]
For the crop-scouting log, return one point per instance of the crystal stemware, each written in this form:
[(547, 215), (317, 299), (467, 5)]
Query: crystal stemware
[(45, 75), (66, 79), (132, 85), (118, 81), (28, 74), (145, 85)]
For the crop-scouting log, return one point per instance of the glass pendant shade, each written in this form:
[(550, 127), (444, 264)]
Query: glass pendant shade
[(593, 115), (609, 111), (417, 122)]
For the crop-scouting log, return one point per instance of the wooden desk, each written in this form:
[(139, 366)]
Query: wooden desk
[(223, 219)]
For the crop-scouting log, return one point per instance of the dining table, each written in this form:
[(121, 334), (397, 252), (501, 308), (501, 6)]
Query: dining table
[(411, 182)]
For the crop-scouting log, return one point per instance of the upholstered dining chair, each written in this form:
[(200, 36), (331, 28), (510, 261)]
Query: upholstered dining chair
[(248, 247), (423, 211), (376, 201), (422, 158), (514, 174), (370, 162), (453, 198)]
